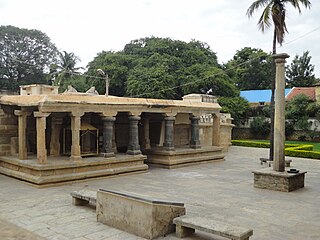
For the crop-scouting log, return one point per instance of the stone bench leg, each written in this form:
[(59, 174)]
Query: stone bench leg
[(182, 231), (79, 202)]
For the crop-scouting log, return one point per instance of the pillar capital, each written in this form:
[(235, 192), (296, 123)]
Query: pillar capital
[(170, 114), (169, 118), (134, 118), (109, 114), (41, 114), (76, 114), (108, 119), (21, 113), (134, 113), (280, 57)]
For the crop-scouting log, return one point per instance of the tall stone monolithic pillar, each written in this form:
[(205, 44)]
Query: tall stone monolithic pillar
[(279, 118)]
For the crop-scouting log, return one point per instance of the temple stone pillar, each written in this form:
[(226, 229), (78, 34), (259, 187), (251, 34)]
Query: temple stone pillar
[(108, 131), (56, 125), (279, 117), (169, 133), (133, 146), (22, 127), (195, 138), (146, 138), (41, 136), (75, 132), (216, 130)]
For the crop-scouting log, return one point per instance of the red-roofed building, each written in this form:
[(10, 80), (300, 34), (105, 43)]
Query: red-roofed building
[(308, 91)]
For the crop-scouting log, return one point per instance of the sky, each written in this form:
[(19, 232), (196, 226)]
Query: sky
[(89, 27)]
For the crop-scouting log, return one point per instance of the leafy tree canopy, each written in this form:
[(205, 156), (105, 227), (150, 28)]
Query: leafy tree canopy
[(250, 69), (162, 68), (238, 107), (25, 56), (300, 72)]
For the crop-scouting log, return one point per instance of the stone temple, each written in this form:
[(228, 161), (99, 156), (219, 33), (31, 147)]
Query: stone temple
[(47, 137)]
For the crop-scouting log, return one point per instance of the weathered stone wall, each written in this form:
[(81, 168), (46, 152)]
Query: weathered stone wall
[(8, 133), (225, 135), (278, 181), (145, 218)]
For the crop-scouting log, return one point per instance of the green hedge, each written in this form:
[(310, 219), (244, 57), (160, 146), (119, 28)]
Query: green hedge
[(292, 150)]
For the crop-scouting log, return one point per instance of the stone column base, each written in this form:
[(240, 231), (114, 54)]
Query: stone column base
[(267, 178), (75, 158), (108, 155), (134, 152)]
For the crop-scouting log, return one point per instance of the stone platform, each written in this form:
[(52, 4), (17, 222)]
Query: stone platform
[(181, 157), (62, 169), (267, 178)]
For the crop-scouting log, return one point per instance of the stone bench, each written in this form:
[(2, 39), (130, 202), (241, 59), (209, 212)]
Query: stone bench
[(84, 197), (137, 214), (186, 225), (266, 161)]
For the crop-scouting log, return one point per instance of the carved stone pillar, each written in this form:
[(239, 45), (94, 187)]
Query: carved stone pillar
[(216, 130), (108, 130), (169, 133), (22, 127), (56, 125), (133, 146), (41, 136), (146, 138), (75, 132), (195, 139)]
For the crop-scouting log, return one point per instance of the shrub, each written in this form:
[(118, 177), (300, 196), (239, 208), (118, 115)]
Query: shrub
[(292, 150), (260, 127)]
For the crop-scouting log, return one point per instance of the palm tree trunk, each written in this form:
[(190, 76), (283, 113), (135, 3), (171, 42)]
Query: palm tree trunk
[(273, 85)]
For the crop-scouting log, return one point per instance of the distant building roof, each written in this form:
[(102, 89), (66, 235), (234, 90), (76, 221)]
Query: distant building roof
[(308, 91), (255, 96)]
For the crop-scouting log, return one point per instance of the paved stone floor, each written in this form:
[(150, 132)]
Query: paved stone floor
[(221, 190)]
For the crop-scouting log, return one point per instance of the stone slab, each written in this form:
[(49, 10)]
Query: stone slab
[(83, 197), (147, 218), (267, 178), (214, 227)]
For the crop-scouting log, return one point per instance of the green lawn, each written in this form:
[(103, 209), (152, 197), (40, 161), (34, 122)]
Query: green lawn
[(316, 145)]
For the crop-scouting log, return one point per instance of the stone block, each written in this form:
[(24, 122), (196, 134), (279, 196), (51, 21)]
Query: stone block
[(267, 178), (138, 215)]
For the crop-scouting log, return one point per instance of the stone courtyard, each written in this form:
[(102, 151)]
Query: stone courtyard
[(223, 190)]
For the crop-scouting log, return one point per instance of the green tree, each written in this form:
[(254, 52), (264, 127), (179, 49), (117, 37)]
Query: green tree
[(260, 127), (65, 68), (117, 65), (300, 72), (250, 69), (162, 68), (275, 10), (238, 107), (24, 56), (298, 112)]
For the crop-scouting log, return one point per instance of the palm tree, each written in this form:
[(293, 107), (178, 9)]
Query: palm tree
[(275, 10), (65, 68)]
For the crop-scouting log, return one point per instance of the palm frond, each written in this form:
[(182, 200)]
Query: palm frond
[(256, 5)]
